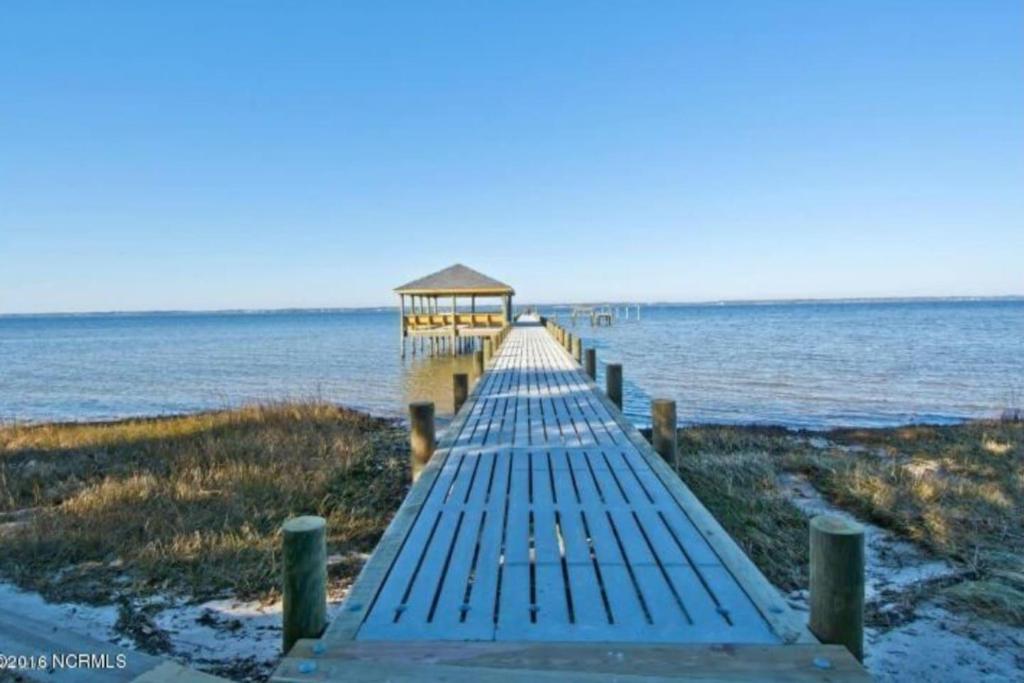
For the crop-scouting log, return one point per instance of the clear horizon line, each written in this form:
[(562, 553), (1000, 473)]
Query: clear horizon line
[(596, 302)]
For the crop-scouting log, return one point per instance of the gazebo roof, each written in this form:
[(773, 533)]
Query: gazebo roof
[(457, 279)]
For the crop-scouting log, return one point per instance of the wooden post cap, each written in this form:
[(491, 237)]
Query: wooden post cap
[(836, 525), (421, 407), (306, 523)]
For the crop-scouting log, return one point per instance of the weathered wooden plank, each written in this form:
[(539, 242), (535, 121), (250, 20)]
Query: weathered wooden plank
[(373, 662)]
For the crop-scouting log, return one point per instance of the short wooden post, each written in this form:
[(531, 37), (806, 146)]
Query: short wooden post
[(577, 349), (488, 349), (478, 363), (837, 582), (304, 562), (460, 389), (663, 428), (613, 382), (591, 363), (568, 342), (421, 435)]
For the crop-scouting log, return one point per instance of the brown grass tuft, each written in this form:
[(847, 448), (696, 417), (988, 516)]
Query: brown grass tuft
[(191, 503), (739, 486), (956, 490)]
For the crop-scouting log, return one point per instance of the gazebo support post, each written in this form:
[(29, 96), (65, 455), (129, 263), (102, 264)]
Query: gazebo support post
[(455, 329), (401, 325)]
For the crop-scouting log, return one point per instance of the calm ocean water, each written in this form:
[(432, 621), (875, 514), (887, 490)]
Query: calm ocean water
[(800, 365)]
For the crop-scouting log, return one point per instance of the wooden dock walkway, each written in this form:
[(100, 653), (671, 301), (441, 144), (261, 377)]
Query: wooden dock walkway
[(545, 534)]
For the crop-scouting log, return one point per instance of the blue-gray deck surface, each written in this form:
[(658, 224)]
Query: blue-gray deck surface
[(546, 523)]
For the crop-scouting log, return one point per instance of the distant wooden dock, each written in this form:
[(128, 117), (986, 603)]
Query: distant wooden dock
[(546, 540)]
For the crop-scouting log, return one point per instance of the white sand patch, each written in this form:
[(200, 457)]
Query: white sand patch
[(891, 564), (941, 647), (228, 631), (935, 645), (91, 622), (236, 638)]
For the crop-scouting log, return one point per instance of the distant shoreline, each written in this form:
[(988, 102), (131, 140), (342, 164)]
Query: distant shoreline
[(1006, 298)]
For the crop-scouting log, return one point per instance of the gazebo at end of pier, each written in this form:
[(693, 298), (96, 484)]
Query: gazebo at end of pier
[(420, 303)]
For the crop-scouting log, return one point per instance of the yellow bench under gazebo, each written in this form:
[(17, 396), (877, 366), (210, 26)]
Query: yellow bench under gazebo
[(422, 319)]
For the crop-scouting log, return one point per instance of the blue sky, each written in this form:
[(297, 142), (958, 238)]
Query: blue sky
[(197, 155)]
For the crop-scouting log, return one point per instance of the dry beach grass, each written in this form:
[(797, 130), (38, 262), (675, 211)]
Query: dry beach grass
[(956, 490), (190, 504)]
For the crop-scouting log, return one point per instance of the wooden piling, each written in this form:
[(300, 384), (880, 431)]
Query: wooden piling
[(421, 435), (460, 389), (590, 358), (577, 349), (837, 582), (304, 563), (663, 428), (478, 363), (613, 382)]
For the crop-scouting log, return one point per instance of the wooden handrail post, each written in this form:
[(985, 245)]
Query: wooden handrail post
[(663, 428), (478, 363), (460, 390), (590, 358), (304, 589), (421, 435), (837, 582), (613, 382), (577, 350)]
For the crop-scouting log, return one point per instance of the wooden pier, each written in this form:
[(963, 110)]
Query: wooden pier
[(546, 540)]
